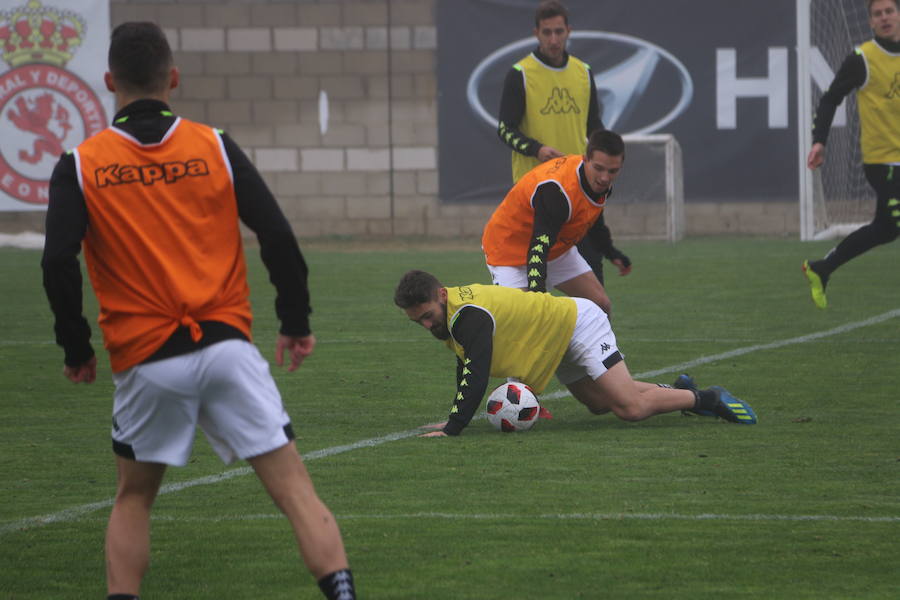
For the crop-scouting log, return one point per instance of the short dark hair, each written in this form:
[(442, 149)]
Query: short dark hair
[(869, 4), (140, 57), (549, 9), (416, 287), (607, 142)]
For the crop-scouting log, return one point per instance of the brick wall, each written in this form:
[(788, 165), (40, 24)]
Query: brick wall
[(263, 71)]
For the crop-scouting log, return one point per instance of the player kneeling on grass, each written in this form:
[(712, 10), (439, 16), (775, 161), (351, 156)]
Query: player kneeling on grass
[(504, 332)]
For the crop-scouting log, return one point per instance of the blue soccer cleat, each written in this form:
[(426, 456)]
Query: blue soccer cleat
[(732, 409), (685, 382)]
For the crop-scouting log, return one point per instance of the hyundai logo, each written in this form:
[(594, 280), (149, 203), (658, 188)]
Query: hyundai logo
[(623, 66)]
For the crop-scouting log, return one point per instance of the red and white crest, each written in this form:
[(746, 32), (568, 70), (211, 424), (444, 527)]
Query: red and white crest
[(45, 109)]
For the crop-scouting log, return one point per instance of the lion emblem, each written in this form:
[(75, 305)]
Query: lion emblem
[(47, 119)]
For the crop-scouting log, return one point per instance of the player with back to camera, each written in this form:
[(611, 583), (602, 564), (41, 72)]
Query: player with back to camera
[(156, 201), (548, 108), (497, 331), (529, 241), (873, 69)]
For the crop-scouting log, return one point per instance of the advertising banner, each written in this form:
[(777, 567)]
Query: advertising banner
[(52, 95), (717, 75)]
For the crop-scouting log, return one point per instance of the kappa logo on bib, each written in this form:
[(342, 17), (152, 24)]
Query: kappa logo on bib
[(44, 108), (628, 72)]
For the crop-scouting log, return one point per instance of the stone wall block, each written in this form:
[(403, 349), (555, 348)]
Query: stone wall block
[(273, 63), (220, 14), (368, 159), (252, 135), (231, 63), (195, 39), (276, 159), (249, 39), (320, 63), (226, 113), (301, 135), (295, 87), (250, 88), (368, 207), (319, 14), (343, 87), (365, 13), (296, 39), (412, 12), (180, 15), (275, 111), (319, 207), (321, 159), (342, 38), (350, 185), (300, 185), (203, 88), (344, 135), (273, 14)]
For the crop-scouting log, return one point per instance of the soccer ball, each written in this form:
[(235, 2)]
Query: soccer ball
[(513, 407)]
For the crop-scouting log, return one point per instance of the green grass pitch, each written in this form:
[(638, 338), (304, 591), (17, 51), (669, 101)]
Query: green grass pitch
[(804, 505)]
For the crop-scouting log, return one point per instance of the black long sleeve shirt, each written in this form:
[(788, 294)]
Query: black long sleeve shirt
[(851, 75), (512, 110), (473, 329), (551, 211), (68, 220)]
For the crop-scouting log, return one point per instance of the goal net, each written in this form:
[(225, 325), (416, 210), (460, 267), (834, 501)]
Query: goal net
[(835, 198), (650, 207)]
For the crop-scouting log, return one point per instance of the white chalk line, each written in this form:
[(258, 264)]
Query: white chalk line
[(73, 513), (423, 516), (687, 366)]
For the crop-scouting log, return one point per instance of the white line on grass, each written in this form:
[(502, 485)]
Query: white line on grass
[(686, 366), (544, 517), (71, 514), (773, 345)]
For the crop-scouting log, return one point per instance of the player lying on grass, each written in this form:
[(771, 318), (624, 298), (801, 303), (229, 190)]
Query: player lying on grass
[(497, 331)]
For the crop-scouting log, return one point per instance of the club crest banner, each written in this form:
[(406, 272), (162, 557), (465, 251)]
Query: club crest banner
[(52, 96)]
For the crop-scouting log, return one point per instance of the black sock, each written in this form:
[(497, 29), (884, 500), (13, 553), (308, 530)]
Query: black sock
[(822, 269), (122, 597), (338, 585), (705, 400)]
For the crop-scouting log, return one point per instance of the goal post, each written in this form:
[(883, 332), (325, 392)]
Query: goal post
[(835, 198), (804, 120), (650, 207)]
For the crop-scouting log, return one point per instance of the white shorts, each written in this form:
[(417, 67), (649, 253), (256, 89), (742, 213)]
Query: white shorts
[(225, 388), (593, 348), (559, 270)]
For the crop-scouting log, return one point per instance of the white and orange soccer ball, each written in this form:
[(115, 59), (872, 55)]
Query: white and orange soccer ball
[(514, 407)]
